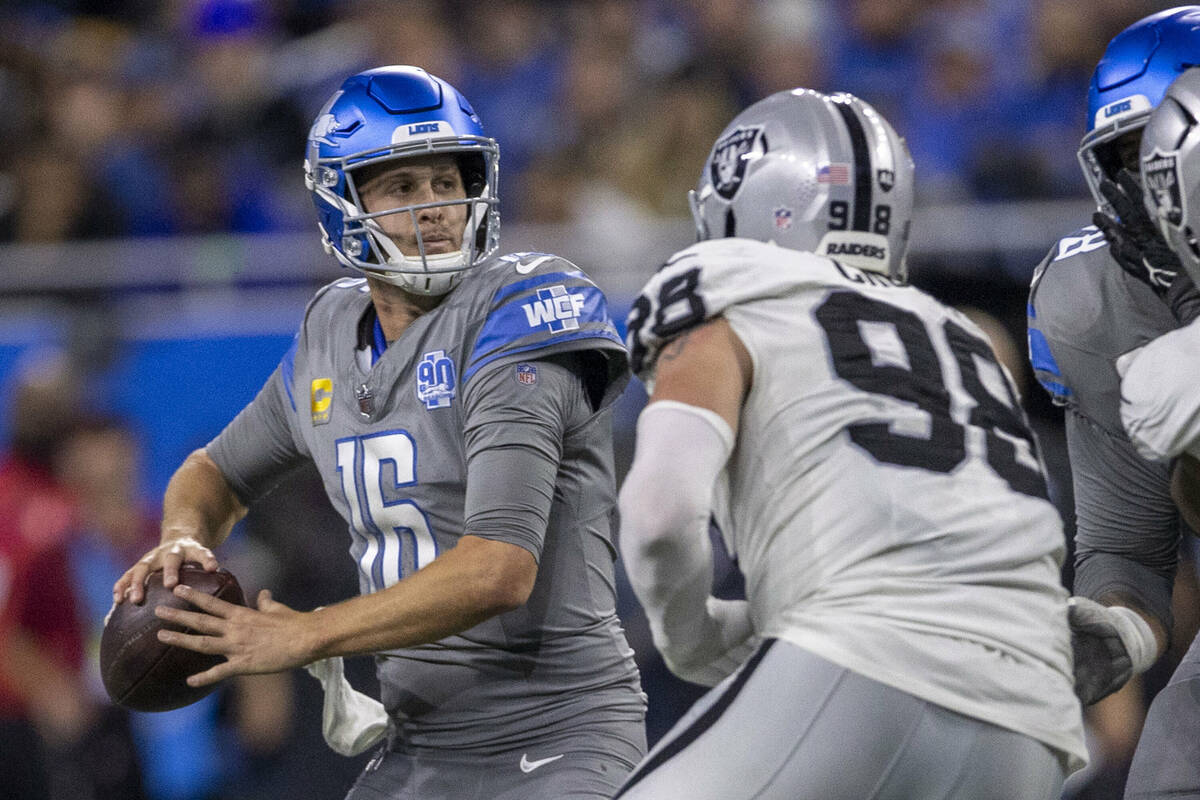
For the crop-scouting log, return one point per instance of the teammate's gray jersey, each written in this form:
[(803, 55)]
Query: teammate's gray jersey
[(1084, 313), (393, 444)]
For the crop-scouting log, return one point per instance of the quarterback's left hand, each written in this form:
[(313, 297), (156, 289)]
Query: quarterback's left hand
[(1140, 249), (270, 639)]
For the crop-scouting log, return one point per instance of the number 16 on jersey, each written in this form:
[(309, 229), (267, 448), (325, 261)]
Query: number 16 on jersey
[(393, 535)]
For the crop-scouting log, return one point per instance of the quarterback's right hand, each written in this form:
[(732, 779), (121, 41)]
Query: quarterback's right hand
[(168, 556), (1111, 644)]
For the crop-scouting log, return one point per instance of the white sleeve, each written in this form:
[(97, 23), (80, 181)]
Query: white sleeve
[(665, 506), (1160, 394)]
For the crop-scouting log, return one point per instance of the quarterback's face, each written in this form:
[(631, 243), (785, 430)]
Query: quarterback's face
[(413, 181)]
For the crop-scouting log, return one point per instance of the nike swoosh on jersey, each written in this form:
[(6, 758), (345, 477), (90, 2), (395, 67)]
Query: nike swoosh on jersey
[(530, 766), (525, 269)]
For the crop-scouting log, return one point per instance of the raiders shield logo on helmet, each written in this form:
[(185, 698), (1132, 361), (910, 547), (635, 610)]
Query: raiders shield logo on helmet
[(728, 166), (886, 178), (1162, 181)]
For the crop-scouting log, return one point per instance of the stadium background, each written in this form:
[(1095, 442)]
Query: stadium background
[(154, 228)]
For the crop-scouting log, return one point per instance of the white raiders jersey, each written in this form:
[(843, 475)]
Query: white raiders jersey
[(884, 497)]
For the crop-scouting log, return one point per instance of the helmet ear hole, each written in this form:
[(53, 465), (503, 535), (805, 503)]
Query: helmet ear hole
[(474, 173), (730, 223)]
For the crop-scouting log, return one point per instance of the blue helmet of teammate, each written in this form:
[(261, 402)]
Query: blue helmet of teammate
[(1130, 80), (383, 115)]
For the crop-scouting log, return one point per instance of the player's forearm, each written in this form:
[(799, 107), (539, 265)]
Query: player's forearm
[(475, 581), (665, 509), (199, 503)]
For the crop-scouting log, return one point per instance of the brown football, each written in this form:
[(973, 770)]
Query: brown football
[(144, 674)]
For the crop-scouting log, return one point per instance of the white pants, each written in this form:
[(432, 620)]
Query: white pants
[(792, 726)]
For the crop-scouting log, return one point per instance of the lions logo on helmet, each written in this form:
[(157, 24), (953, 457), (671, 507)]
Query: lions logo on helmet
[(325, 125), (730, 156)]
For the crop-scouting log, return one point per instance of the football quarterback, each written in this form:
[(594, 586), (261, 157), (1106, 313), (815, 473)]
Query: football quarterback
[(457, 406)]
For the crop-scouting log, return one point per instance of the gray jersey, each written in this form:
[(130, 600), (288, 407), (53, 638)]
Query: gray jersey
[(522, 357), (1084, 313)]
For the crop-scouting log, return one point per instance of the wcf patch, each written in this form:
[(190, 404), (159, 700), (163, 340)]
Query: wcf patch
[(556, 308)]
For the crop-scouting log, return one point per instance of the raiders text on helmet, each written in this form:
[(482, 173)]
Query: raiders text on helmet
[(820, 173), (386, 114)]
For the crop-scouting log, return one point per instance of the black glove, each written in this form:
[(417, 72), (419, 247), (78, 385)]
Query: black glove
[(1139, 248), (1110, 645)]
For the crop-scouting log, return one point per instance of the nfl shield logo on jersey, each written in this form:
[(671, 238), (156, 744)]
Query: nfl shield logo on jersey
[(526, 374), (1162, 179), (728, 166), (435, 380)]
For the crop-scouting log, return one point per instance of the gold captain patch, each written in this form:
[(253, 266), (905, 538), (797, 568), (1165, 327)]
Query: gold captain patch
[(322, 400)]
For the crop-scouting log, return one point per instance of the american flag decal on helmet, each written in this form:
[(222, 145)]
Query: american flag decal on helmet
[(837, 174)]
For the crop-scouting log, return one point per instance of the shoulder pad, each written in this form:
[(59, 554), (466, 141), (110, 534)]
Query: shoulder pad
[(1084, 240), (1066, 302), (538, 303), (1084, 312), (699, 283), (326, 306)]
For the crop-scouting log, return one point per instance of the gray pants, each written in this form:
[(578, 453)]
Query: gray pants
[(585, 765), (792, 726), (1167, 761)]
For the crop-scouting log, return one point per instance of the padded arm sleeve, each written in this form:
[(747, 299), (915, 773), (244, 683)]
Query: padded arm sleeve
[(257, 450), (1127, 526), (665, 506), (514, 439), (1160, 406)]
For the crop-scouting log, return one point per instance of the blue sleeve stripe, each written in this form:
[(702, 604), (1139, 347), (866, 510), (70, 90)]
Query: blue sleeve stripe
[(288, 367), (529, 283), (1044, 366), (1030, 310), (608, 335)]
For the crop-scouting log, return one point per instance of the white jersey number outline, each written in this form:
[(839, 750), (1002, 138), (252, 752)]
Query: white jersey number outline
[(385, 525)]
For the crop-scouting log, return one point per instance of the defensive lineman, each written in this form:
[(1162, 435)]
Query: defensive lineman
[(456, 405), (864, 456)]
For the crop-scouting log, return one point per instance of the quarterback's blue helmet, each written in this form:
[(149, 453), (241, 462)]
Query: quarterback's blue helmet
[(393, 113), (1131, 79)]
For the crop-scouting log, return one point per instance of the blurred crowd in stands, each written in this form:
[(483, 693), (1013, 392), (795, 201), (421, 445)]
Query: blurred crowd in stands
[(153, 117)]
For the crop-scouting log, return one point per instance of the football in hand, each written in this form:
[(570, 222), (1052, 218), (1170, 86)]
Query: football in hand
[(144, 674)]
